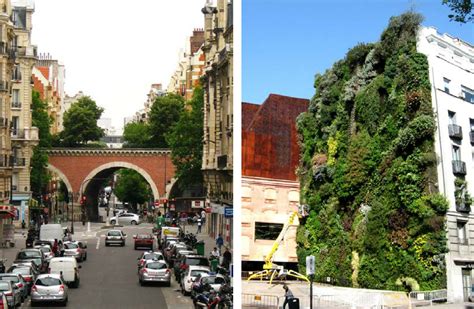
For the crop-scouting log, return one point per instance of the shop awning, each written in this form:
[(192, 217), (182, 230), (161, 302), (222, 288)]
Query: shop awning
[(7, 211)]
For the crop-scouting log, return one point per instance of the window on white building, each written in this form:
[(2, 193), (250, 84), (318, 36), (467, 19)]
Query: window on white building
[(446, 84), (452, 117), (462, 232), (456, 153), (467, 94), (471, 124)]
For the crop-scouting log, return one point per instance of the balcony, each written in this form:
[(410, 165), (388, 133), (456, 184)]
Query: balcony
[(471, 137), (29, 134), (455, 131), (222, 162), (16, 105), (459, 167), (463, 208), (17, 161), (27, 51)]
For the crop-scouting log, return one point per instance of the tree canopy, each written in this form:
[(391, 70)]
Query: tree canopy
[(137, 135), (185, 141), (80, 123), (462, 10), (132, 188), (164, 113)]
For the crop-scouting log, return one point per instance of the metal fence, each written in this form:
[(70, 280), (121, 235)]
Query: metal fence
[(259, 301), (419, 298)]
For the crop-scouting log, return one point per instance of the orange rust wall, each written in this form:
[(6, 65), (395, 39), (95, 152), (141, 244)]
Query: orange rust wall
[(77, 168)]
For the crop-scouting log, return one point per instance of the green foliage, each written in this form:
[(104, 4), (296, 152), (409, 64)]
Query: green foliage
[(132, 188), (185, 141), (80, 123), (164, 113), (366, 168), (462, 10), (136, 135)]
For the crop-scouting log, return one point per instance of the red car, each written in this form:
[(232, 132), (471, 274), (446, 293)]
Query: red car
[(144, 240)]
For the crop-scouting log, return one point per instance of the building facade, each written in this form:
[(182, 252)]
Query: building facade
[(23, 135), (451, 68), (270, 187), (218, 116)]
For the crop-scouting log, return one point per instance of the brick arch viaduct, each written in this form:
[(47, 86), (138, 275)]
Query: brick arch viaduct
[(84, 170)]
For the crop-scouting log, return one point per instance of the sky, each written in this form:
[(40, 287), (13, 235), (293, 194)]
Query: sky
[(113, 50), (286, 42)]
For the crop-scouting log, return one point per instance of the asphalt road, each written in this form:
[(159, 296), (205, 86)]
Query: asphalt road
[(109, 278)]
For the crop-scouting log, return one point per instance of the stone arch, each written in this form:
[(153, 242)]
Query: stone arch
[(121, 164), (61, 175)]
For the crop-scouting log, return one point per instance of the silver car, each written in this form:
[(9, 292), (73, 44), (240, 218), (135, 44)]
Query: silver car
[(126, 218), (155, 271), (11, 292), (18, 281), (47, 252), (77, 249), (49, 288), (116, 237)]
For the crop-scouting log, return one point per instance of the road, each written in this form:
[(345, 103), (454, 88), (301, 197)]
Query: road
[(109, 276)]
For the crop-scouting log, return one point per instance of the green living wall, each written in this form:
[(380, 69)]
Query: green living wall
[(368, 169)]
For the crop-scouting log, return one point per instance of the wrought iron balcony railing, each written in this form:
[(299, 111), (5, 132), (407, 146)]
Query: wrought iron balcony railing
[(455, 131), (459, 167)]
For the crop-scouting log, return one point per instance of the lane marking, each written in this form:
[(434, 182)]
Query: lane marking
[(98, 243)]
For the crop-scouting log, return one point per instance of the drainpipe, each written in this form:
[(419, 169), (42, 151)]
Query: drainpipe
[(439, 131)]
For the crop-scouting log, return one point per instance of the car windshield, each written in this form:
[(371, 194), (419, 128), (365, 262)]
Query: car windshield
[(4, 286), (45, 249), (153, 256), (196, 272), (48, 281), (71, 246), (27, 254), (199, 262), (10, 278), (114, 233), (156, 265), (21, 271)]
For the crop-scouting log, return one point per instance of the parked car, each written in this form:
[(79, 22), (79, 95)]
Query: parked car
[(18, 281), (126, 218), (30, 264), (27, 272), (49, 288), (189, 275), (47, 252), (172, 250), (205, 280), (115, 237), (3, 301), (67, 266), (34, 255), (143, 240), (155, 271), (11, 292), (149, 255), (76, 249), (185, 261)]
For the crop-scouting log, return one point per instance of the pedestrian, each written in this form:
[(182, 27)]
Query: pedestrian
[(288, 295), (203, 216), (55, 247), (219, 242), (199, 222), (227, 258), (215, 253)]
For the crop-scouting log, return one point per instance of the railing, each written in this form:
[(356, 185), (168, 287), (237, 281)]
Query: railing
[(259, 301), (27, 51), (459, 167), (427, 297), (17, 162), (27, 133), (455, 131), (16, 104), (463, 208)]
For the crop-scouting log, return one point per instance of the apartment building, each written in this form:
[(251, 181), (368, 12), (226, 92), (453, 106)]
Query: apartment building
[(23, 135), (270, 187), (218, 116), (451, 68)]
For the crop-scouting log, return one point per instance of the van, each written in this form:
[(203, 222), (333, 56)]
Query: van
[(67, 266), (51, 232)]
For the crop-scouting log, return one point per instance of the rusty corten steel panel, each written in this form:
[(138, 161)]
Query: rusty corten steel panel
[(269, 138)]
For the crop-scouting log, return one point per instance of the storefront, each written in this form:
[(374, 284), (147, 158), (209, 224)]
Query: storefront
[(21, 203), (7, 228)]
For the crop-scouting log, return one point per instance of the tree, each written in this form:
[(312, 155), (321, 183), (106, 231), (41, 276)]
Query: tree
[(137, 135), (39, 177), (462, 10), (132, 188), (164, 113), (185, 141), (80, 123)]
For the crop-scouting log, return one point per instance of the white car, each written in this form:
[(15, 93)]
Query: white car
[(190, 275), (126, 218)]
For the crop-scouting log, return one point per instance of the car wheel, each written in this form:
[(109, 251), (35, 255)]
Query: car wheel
[(134, 222), (135, 247), (85, 257), (106, 244), (112, 222), (141, 282), (123, 243), (168, 284), (64, 303)]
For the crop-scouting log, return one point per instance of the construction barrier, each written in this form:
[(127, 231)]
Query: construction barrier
[(420, 298), (259, 301)]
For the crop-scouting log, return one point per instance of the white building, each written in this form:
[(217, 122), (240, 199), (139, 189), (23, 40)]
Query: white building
[(451, 69)]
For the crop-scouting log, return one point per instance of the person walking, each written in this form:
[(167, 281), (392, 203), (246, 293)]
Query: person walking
[(288, 295), (199, 223), (227, 258), (55, 248), (219, 242), (203, 218)]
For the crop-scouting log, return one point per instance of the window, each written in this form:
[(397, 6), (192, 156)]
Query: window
[(452, 117), (471, 124), (462, 233), (446, 84), (265, 230), (467, 94), (456, 153)]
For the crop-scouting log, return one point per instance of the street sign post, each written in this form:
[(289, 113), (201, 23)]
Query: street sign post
[(310, 269)]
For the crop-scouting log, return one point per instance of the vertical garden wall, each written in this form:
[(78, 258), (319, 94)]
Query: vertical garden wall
[(368, 169)]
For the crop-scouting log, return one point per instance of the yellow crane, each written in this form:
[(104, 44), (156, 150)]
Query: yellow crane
[(271, 269)]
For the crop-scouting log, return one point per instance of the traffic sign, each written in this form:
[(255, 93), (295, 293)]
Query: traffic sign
[(310, 265), (228, 212)]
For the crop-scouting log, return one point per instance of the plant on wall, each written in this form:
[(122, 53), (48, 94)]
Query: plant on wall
[(366, 167)]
